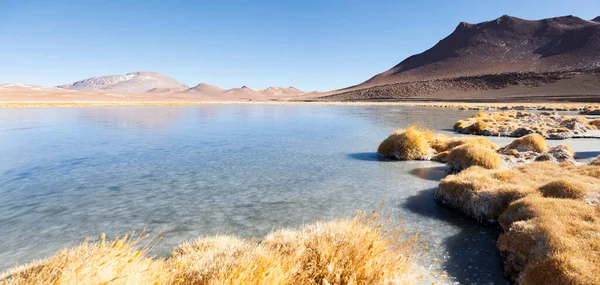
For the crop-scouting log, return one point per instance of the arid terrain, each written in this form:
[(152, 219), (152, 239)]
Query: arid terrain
[(138, 87), (506, 59)]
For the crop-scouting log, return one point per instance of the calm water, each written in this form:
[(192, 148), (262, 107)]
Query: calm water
[(68, 173)]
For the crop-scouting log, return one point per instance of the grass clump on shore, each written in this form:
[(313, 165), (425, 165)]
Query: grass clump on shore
[(484, 194), (518, 124), (359, 250), (549, 213), (409, 144), (416, 143), (532, 142), (551, 241), (468, 155), (460, 153)]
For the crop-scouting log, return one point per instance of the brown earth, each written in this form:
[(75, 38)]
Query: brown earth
[(506, 59), (578, 86)]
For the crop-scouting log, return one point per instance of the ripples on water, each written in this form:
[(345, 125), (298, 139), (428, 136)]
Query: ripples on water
[(68, 173)]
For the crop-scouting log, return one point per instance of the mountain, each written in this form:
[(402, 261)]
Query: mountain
[(243, 92), (506, 58), (135, 82), (280, 91), (506, 44), (206, 89)]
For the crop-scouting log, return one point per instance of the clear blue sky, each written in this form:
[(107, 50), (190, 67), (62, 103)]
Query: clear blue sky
[(312, 45)]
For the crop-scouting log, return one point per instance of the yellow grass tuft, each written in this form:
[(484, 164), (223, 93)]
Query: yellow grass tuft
[(468, 155), (568, 148), (359, 250), (484, 194), (551, 241), (102, 262), (447, 144), (478, 127), (409, 144), (531, 142), (480, 114), (546, 240), (565, 188), (461, 124)]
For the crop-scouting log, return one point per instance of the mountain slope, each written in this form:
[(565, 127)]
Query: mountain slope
[(135, 82), (504, 45)]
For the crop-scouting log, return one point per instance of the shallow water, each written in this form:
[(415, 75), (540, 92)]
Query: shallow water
[(68, 173)]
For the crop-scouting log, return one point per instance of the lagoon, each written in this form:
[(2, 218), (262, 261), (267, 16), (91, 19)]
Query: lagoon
[(192, 171)]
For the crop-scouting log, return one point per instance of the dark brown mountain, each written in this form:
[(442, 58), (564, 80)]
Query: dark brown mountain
[(506, 44), (505, 59)]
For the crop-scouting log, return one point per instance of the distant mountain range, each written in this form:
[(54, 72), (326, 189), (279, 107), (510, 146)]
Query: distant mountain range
[(506, 59), (156, 83), (506, 45)]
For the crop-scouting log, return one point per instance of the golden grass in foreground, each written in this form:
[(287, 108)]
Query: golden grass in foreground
[(360, 250), (102, 262), (550, 215)]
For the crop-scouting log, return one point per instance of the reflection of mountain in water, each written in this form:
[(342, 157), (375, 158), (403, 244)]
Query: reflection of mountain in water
[(397, 117), (161, 117), (133, 117)]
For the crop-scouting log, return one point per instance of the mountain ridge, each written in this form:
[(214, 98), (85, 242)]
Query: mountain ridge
[(506, 44)]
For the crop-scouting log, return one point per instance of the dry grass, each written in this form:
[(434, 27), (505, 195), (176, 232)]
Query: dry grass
[(441, 144), (351, 251), (484, 194), (551, 241), (101, 262), (478, 127), (360, 250), (595, 123), (409, 144), (550, 214), (468, 155), (518, 124), (569, 149), (532, 142), (416, 143), (565, 188)]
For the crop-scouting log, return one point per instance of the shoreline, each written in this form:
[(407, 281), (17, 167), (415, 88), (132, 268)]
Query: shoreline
[(561, 106)]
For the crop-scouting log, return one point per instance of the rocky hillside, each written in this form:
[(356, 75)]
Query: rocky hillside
[(507, 44)]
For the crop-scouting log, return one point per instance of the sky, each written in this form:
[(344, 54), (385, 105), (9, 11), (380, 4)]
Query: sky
[(310, 44)]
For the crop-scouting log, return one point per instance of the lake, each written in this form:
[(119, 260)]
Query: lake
[(68, 173)]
